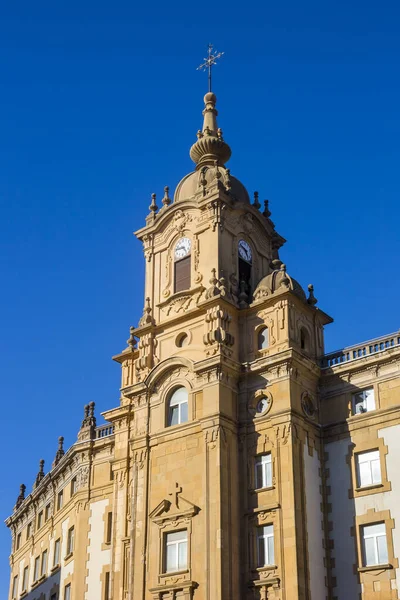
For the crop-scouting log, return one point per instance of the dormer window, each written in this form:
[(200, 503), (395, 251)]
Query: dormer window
[(182, 265), (245, 258)]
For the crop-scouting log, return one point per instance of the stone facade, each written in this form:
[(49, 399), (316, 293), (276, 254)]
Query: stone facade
[(237, 464)]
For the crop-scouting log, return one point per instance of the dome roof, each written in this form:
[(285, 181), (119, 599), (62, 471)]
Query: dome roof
[(195, 181), (280, 280)]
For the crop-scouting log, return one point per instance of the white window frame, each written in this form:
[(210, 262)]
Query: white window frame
[(366, 476), (57, 551), (374, 536), (25, 579), (175, 400), (36, 571), (367, 404), (67, 592), (43, 566), (168, 543), (263, 464), (264, 534), (70, 540), (15, 587)]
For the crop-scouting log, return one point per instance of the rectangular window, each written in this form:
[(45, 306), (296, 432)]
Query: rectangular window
[(67, 592), (368, 468), (263, 474), (29, 531), (265, 545), (109, 528), (175, 551), (25, 579), (182, 274), (363, 401), (36, 570), (73, 486), (374, 544), (43, 568), (40, 520), (60, 497), (56, 560), (15, 587), (70, 541), (18, 542), (47, 513), (53, 597), (107, 586)]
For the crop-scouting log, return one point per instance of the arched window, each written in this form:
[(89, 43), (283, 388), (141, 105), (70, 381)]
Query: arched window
[(263, 338), (182, 265), (178, 407), (304, 339)]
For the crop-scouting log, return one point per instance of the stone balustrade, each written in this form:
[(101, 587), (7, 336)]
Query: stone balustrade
[(351, 353)]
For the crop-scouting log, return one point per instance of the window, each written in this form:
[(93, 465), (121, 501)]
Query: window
[(15, 587), (67, 592), (53, 597), (368, 468), (29, 531), (36, 570), (73, 486), (265, 545), (245, 259), (60, 496), (70, 541), (304, 339), (25, 579), (109, 528), (40, 519), (363, 401), (374, 545), (47, 513), (263, 473), (182, 265), (175, 551), (56, 559), (263, 339), (43, 568), (178, 407), (18, 542), (107, 586)]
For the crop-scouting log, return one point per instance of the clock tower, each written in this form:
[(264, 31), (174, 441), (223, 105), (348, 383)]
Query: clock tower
[(219, 398)]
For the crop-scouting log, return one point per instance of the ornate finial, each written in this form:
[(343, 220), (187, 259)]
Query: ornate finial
[(256, 202), (60, 452), (267, 212), (40, 474), (91, 411), (210, 146), (311, 298), (21, 496), (209, 62), (131, 342), (153, 206), (85, 415), (146, 318), (166, 200)]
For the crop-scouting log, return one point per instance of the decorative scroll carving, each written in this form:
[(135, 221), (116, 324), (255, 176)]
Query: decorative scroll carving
[(217, 336)]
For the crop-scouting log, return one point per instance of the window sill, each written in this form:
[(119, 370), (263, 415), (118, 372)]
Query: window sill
[(383, 567), (36, 583), (268, 488), (265, 568), (174, 573), (366, 488), (68, 556), (24, 594), (55, 568)]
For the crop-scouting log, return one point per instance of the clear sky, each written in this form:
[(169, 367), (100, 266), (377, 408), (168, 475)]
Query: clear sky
[(100, 102)]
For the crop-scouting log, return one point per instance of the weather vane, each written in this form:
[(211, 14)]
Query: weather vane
[(209, 62)]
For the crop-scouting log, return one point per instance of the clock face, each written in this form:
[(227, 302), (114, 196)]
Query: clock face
[(262, 405), (244, 251), (182, 248)]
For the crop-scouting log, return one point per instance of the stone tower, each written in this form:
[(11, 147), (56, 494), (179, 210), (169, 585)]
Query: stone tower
[(219, 391)]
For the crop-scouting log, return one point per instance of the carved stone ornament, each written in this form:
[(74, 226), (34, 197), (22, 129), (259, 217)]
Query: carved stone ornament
[(308, 405), (260, 403)]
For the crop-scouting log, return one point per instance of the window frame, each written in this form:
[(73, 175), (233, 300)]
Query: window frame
[(376, 544), (60, 499), (176, 544), (365, 408), (18, 539), (359, 477), (70, 540), (169, 415), (265, 537), (260, 331), (47, 510), (73, 486), (25, 579), (14, 589), (67, 588), (57, 553), (266, 469), (40, 519), (44, 563), (36, 569)]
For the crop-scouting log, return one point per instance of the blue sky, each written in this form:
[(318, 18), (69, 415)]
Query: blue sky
[(100, 103)]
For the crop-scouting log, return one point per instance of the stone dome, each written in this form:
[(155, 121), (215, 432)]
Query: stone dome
[(280, 280), (193, 183)]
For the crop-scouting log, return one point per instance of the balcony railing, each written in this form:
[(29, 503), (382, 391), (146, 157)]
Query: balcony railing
[(104, 431), (361, 350)]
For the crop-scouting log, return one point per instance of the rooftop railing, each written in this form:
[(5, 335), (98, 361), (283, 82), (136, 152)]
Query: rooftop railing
[(104, 431), (361, 350)]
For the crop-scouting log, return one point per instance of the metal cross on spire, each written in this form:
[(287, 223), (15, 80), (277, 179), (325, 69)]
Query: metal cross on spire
[(209, 62)]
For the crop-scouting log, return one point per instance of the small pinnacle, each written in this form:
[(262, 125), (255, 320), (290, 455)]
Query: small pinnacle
[(256, 203), (267, 212), (311, 298), (153, 206), (166, 200)]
